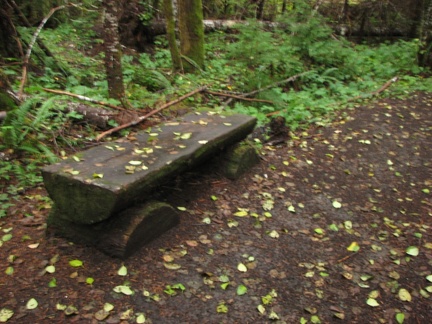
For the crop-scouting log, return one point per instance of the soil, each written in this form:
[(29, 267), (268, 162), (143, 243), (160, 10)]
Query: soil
[(319, 231)]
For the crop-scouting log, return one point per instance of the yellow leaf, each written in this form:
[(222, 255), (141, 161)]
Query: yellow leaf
[(241, 213), (354, 247), (404, 295), (241, 267)]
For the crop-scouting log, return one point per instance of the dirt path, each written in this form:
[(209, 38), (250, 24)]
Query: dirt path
[(334, 226)]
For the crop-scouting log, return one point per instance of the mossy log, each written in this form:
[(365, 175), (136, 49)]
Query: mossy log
[(100, 182)]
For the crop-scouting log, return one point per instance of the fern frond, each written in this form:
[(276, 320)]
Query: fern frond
[(161, 79)]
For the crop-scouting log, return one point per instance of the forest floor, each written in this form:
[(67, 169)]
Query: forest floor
[(334, 225)]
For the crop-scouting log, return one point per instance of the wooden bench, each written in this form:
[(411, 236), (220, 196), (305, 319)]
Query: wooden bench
[(100, 194)]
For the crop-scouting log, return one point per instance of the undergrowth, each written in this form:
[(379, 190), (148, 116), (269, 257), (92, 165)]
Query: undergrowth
[(255, 57)]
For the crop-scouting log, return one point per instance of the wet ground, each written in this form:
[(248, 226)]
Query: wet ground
[(334, 225)]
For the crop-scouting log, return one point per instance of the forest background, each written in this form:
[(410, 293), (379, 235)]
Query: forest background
[(301, 60)]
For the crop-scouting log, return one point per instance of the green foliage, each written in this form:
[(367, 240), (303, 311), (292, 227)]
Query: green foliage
[(262, 55), (253, 57), (337, 70)]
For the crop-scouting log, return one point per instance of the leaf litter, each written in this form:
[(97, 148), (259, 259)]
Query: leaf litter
[(348, 238)]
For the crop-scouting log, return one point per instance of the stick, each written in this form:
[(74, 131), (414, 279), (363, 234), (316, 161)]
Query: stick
[(373, 93), (30, 48), (151, 113), (84, 98), (346, 257), (292, 78), (376, 92), (240, 97)]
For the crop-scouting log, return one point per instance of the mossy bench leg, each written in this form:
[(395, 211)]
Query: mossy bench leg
[(136, 226), (238, 159), (124, 233)]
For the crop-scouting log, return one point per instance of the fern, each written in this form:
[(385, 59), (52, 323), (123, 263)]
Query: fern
[(24, 128)]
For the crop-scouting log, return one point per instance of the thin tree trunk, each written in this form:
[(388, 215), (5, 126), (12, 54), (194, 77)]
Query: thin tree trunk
[(260, 9), (425, 34), (284, 6), (171, 36), (113, 51), (191, 31)]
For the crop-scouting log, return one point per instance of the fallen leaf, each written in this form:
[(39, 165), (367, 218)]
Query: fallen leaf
[(241, 267), (412, 250), (135, 163), (336, 204), (241, 213), (5, 314), (122, 271), (222, 308), (140, 318), (354, 247), (50, 269), (32, 304), (75, 263), (400, 317), (123, 289), (102, 314), (404, 295), (241, 290), (108, 307), (372, 302), (172, 266)]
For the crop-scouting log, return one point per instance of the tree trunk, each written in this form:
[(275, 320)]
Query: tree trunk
[(171, 36), (260, 9), (113, 52), (191, 31), (284, 6), (425, 34)]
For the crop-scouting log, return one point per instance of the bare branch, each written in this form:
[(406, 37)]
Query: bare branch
[(142, 118), (30, 48), (240, 97), (84, 98)]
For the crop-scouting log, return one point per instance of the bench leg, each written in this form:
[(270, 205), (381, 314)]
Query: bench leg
[(238, 159), (136, 226), (122, 234)]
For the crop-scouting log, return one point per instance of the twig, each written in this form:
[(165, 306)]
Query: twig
[(240, 97), (30, 48), (290, 79), (346, 257), (376, 92), (84, 98), (151, 113)]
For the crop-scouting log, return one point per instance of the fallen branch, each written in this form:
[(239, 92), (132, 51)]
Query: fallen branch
[(84, 98), (273, 85), (372, 94), (222, 94), (151, 113), (346, 257), (30, 48), (376, 92)]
